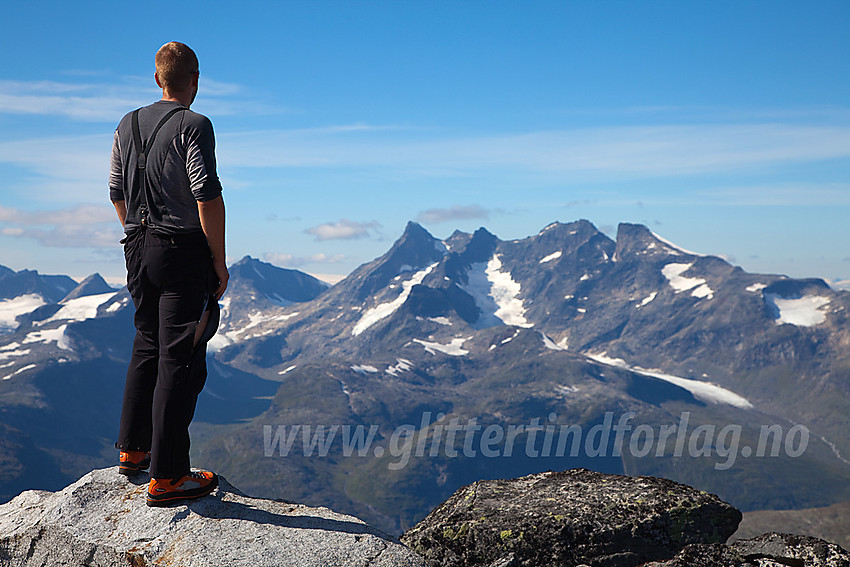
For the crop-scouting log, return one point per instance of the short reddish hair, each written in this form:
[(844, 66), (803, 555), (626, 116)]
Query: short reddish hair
[(175, 65)]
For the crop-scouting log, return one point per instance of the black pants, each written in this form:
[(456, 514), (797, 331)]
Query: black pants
[(170, 280)]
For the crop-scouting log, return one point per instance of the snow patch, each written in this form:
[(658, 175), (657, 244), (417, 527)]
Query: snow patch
[(550, 257), (375, 314), (552, 345), (58, 335), (756, 287), (803, 312), (19, 370), (705, 391), (402, 365), (453, 348), (674, 247), (440, 320), (288, 369), (680, 283), (11, 309), (235, 334), (512, 337), (703, 291), (4, 355), (648, 299), (364, 368), (496, 294), (117, 305), (80, 308), (218, 342)]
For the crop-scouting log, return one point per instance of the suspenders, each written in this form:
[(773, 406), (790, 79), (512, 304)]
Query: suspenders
[(142, 151)]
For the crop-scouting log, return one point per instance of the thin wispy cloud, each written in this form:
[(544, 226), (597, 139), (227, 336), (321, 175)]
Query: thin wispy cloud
[(291, 261), (87, 101), (86, 226), (456, 212), (605, 152), (83, 214), (106, 100), (67, 170), (343, 229)]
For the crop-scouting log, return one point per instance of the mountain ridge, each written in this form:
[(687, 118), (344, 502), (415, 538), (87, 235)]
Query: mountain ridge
[(567, 322)]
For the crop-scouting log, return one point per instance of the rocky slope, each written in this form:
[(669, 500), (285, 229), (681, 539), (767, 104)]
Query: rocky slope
[(581, 518), (570, 518), (102, 520), (574, 518), (767, 550), (831, 523)]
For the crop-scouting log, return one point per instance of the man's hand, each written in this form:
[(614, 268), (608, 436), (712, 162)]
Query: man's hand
[(212, 222), (223, 276)]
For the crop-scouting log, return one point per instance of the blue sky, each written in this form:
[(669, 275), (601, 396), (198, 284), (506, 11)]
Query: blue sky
[(723, 126)]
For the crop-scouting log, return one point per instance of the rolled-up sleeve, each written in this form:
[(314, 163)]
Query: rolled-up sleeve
[(116, 172), (200, 162)]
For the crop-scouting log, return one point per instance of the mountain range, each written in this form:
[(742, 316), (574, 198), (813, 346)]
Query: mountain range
[(508, 343)]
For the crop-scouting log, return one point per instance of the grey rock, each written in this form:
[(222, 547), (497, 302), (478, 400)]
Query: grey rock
[(785, 548), (102, 520), (570, 518), (767, 550)]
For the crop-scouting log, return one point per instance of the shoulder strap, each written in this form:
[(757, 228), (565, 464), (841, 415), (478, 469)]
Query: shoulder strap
[(144, 149)]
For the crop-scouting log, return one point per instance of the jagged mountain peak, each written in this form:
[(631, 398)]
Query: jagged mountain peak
[(581, 226), (279, 285), (51, 288), (567, 237), (481, 246), (414, 250), (414, 240), (637, 239), (413, 228), (92, 285)]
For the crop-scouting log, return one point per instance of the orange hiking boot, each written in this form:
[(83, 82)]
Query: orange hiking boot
[(131, 462), (166, 491)]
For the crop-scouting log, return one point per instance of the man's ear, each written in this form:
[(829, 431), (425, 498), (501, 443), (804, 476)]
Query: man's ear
[(156, 78)]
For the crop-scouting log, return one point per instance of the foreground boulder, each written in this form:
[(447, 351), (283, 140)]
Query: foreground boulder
[(768, 550), (102, 520), (570, 518)]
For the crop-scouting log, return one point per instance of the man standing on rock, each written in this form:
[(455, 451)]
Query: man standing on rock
[(165, 189)]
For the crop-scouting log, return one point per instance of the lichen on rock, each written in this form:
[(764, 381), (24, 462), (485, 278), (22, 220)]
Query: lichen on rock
[(570, 518)]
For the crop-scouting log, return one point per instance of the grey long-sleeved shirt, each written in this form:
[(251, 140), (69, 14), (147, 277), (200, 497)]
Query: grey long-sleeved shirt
[(180, 169)]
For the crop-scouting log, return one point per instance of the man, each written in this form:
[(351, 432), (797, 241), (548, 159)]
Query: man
[(165, 189)]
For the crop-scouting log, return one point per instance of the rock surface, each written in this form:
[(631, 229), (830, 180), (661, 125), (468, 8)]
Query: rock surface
[(570, 518), (102, 520), (767, 550), (830, 523)]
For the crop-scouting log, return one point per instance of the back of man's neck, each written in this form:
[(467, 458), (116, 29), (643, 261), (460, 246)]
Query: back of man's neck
[(172, 98)]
